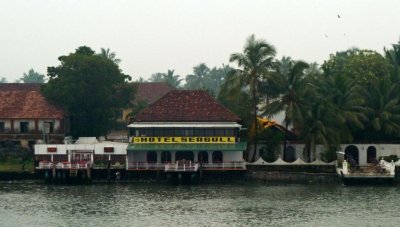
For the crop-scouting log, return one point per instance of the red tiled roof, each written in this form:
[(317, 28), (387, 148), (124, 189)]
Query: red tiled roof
[(151, 92), (186, 106), (25, 101)]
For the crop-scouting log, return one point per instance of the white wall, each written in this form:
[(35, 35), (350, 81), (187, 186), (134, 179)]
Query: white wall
[(7, 124), (119, 148), (17, 124), (232, 156)]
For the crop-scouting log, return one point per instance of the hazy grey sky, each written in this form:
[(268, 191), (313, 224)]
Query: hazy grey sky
[(153, 36)]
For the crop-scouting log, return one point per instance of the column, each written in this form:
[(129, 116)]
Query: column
[(210, 156), (158, 156), (196, 156), (173, 156)]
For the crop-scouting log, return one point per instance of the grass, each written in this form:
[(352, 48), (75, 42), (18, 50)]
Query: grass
[(15, 166)]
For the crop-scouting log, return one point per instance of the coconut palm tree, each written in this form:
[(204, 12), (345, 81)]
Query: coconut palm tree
[(172, 79), (198, 80), (289, 81), (254, 63), (383, 109), (107, 54), (393, 56)]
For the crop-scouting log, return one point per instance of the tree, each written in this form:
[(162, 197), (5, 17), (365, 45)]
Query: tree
[(360, 65), (32, 77), (393, 56), (253, 65), (289, 81), (90, 88), (172, 79), (157, 77), (382, 103), (198, 80), (217, 77), (3, 80), (107, 54)]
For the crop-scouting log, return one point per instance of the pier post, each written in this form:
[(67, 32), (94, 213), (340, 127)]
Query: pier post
[(89, 174), (109, 171), (53, 174)]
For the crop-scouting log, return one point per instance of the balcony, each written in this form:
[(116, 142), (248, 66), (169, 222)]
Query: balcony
[(63, 165), (186, 166)]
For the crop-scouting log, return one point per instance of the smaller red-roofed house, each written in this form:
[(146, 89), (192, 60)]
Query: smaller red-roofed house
[(26, 117), (185, 131), (146, 94)]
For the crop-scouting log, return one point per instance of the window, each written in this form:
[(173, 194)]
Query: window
[(219, 132), (199, 131), (2, 127), (209, 132), (48, 127), (24, 127)]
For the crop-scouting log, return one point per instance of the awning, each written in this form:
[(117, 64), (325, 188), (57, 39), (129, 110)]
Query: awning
[(240, 146)]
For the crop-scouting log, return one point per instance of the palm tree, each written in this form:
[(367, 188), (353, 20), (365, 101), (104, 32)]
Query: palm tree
[(383, 109), (253, 65), (393, 56), (157, 77), (107, 54), (289, 81), (198, 80), (172, 79)]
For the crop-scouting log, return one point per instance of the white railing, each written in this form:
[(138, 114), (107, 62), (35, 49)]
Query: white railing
[(185, 166), (145, 166), (68, 165), (63, 165), (224, 165), (181, 167), (45, 165)]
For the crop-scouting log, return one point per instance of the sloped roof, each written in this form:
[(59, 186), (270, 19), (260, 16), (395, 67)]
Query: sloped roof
[(25, 101), (186, 106), (151, 92)]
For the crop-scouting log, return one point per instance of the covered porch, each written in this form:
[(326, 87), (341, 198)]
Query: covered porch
[(186, 157)]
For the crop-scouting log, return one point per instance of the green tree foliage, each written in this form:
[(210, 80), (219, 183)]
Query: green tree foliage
[(169, 77), (32, 77), (107, 54), (382, 111), (204, 78), (393, 56), (199, 78), (3, 80), (359, 65), (90, 88), (289, 82), (254, 64)]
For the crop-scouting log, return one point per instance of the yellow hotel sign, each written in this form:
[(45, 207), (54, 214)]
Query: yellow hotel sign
[(213, 139)]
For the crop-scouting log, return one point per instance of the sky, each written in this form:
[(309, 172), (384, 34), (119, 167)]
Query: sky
[(152, 36)]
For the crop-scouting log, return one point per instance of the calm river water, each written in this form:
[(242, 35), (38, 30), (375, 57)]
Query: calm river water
[(239, 204)]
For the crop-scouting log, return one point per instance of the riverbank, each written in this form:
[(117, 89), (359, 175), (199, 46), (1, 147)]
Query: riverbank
[(268, 174)]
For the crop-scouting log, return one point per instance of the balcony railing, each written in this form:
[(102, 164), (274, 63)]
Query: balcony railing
[(64, 165), (182, 167), (224, 165), (186, 166), (145, 166)]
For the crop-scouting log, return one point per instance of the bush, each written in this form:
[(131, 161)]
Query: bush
[(389, 158), (329, 155)]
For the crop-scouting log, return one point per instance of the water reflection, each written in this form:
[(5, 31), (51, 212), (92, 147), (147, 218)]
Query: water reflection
[(143, 204)]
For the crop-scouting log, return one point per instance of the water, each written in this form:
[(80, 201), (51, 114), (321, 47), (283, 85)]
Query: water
[(240, 204)]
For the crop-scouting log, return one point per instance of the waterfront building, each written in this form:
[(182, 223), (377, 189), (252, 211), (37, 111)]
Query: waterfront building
[(185, 131), (83, 154), (26, 117)]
